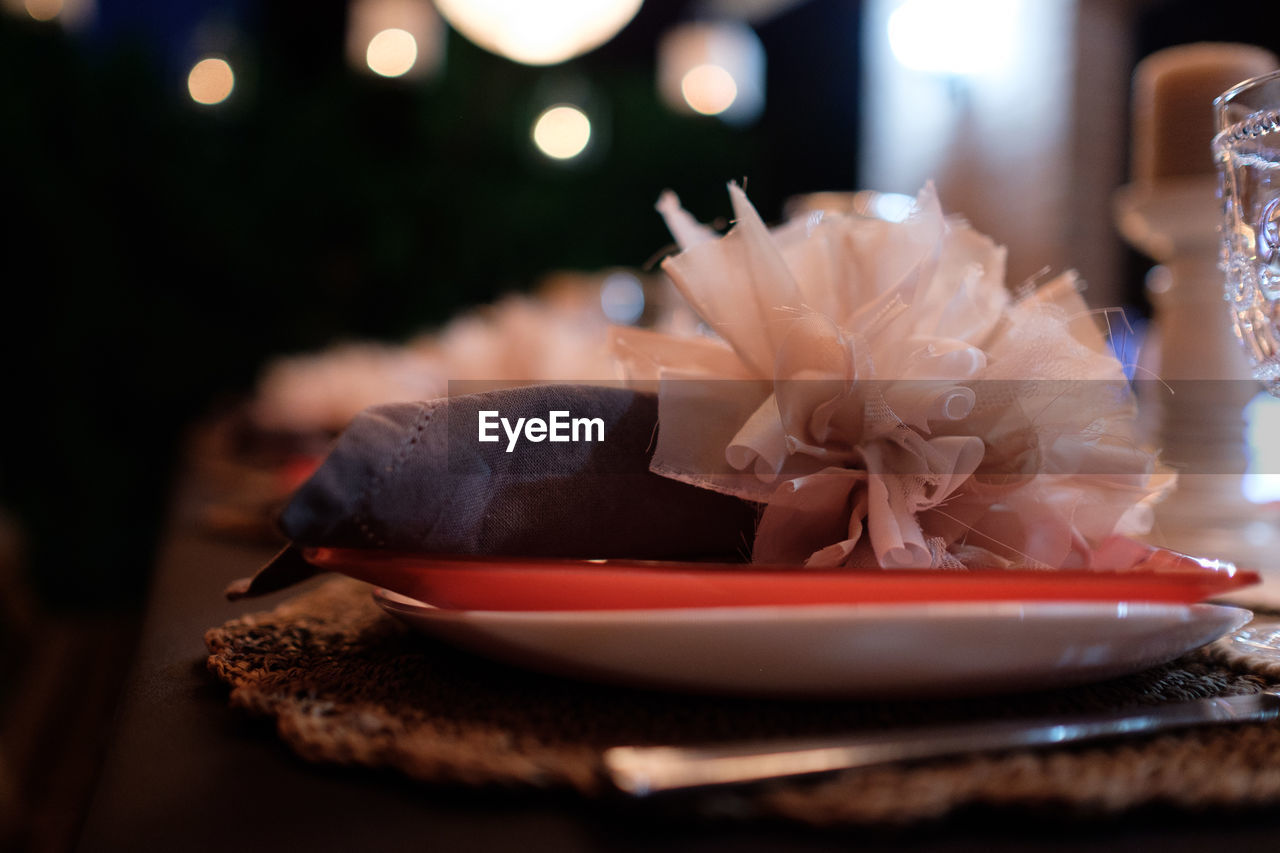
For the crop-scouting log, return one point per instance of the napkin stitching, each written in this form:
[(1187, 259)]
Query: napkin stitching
[(379, 481)]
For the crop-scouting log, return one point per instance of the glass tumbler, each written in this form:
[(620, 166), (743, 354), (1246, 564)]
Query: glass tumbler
[(1246, 150)]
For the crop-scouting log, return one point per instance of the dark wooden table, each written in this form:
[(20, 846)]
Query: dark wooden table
[(185, 772)]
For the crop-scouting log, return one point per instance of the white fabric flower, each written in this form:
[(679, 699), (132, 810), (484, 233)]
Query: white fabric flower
[(888, 402)]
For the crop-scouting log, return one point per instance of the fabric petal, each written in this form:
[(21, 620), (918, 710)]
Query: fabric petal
[(808, 514), (754, 314)]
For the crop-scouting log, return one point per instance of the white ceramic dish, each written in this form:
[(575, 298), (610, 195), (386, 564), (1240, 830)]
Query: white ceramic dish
[(894, 650)]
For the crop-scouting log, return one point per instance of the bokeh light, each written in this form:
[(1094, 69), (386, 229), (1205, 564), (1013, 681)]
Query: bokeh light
[(395, 38), (210, 81), (1261, 483), (709, 89), (953, 36), (622, 298), (43, 10), (392, 52), (562, 132), (892, 207), (715, 68)]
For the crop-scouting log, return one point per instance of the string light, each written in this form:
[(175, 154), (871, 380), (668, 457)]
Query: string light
[(210, 81), (74, 15), (392, 52), (394, 38), (43, 10), (562, 132), (713, 68), (709, 89)]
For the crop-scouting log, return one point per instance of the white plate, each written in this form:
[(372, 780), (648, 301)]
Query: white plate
[(835, 650)]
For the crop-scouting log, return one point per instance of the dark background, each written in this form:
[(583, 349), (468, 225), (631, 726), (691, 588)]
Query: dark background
[(159, 252)]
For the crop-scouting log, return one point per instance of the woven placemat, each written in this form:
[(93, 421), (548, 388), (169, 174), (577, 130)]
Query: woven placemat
[(348, 684)]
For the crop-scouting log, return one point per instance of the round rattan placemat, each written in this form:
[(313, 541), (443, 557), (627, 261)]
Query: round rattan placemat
[(347, 684)]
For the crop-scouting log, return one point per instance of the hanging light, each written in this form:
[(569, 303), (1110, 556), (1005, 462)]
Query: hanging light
[(394, 38), (538, 33), (713, 69)]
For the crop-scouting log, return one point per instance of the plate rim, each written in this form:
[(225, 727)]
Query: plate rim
[(878, 611)]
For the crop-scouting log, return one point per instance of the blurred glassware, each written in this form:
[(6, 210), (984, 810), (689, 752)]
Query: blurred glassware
[(1193, 380), (1247, 152)]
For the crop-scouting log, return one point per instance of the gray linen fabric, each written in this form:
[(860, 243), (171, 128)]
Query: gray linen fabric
[(415, 477)]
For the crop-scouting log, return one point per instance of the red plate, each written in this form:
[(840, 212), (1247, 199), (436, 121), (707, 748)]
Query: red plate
[(523, 583)]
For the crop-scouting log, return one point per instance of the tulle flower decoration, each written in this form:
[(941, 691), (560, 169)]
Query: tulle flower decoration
[(878, 390)]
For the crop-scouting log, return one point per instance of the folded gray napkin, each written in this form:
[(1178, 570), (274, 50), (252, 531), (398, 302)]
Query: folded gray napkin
[(416, 477)]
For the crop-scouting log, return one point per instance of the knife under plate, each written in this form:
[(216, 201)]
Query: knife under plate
[(643, 770)]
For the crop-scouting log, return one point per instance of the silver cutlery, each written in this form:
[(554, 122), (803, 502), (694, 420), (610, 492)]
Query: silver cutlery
[(643, 770)]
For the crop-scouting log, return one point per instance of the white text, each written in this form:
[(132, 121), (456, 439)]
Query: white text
[(558, 427)]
